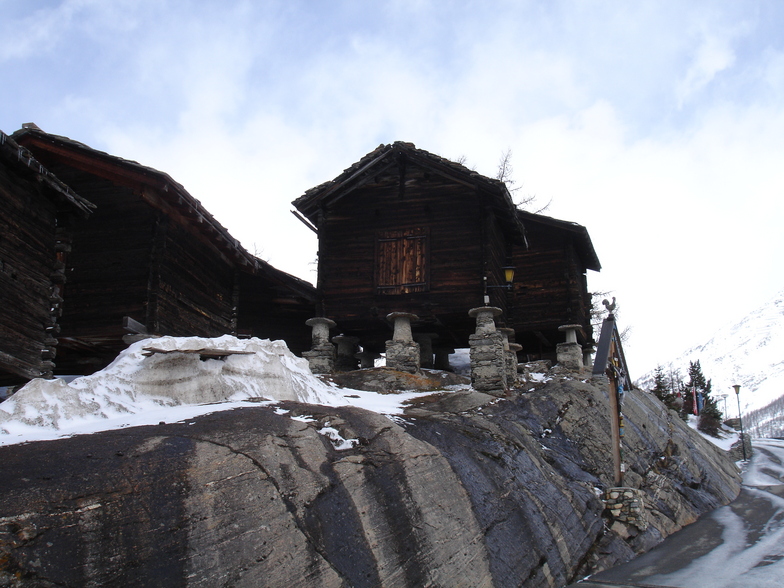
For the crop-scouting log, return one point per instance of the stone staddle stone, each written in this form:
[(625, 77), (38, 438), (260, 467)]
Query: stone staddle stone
[(347, 346), (441, 358), (321, 326), (425, 341), (511, 362), (571, 332), (402, 322), (569, 355), (403, 356), (509, 335), (485, 315)]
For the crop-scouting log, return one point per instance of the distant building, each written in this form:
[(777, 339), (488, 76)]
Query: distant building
[(403, 230), (152, 261)]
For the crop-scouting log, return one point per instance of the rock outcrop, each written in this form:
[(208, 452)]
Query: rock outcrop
[(465, 489)]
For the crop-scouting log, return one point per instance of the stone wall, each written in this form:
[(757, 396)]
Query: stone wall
[(626, 505)]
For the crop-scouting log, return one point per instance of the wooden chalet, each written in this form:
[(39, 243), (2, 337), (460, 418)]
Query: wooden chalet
[(152, 261), (37, 213), (404, 230), (551, 287)]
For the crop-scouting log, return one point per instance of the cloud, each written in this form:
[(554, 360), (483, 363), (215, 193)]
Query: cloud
[(655, 125), (713, 56)]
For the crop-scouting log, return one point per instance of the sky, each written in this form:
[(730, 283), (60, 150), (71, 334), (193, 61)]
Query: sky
[(659, 126)]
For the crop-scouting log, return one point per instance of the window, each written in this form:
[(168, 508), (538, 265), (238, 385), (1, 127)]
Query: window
[(401, 261)]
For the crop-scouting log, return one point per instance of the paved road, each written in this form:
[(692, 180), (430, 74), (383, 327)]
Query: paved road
[(738, 545)]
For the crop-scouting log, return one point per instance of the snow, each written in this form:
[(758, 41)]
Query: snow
[(174, 384), (338, 442), (728, 436), (766, 467)]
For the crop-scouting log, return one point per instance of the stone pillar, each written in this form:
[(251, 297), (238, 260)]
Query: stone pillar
[(510, 357), (441, 360), (488, 356), (367, 359), (402, 351), (588, 352), (570, 354), (514, 349), (346, 357), (425, 341), (321, 357), (627, 505)]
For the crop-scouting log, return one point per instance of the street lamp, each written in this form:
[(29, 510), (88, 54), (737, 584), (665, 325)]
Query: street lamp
[(724, 398), (740, 418), (509, 272)]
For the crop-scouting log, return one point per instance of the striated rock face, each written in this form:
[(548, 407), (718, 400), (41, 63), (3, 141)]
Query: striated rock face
[(464, 490)]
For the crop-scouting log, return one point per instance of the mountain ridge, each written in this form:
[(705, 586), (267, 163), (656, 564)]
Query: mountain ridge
[(745, 352)]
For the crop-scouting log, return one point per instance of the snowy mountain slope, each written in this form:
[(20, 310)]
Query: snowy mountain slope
[(749, 352)]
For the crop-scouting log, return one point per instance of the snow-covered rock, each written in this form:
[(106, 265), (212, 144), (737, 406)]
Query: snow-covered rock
[(167, 372), (169, 379)]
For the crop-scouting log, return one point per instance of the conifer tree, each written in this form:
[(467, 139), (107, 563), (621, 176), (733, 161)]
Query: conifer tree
[(662, 388), (696, 381), (710, 416)]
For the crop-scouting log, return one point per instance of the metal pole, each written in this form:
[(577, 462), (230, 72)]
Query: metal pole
[(615, 431), (740, 418)]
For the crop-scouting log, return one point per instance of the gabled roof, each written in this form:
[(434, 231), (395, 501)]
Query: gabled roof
[(389, 156), (21, 158), (166, 195), (583, 240)]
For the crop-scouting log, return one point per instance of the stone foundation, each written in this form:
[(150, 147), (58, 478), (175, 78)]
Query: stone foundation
[(488, 352), (321, 359), (511, 363), (627, 506), (488, 363), (570, 355), (403, 356)]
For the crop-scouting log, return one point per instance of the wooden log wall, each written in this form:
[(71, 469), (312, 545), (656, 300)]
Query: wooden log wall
[(27, 260), (498, 255), (453, 217), (550, 288), (195, 288), (267, 313), (107, 273)]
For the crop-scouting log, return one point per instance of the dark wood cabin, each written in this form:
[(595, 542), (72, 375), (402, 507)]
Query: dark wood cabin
[(37, 212), (152, 260), (550, 288), (404, 230)]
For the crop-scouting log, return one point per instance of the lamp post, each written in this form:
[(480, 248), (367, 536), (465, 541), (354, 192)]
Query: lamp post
[(724, 398), (740, 418), (509, 272)]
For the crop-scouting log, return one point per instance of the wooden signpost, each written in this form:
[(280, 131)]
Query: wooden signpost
[(610, 361)]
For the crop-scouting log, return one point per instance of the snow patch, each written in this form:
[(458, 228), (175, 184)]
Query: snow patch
[(337, 440), (182, 378)]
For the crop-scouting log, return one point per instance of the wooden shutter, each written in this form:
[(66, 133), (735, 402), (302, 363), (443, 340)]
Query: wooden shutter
[(402, 261)]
